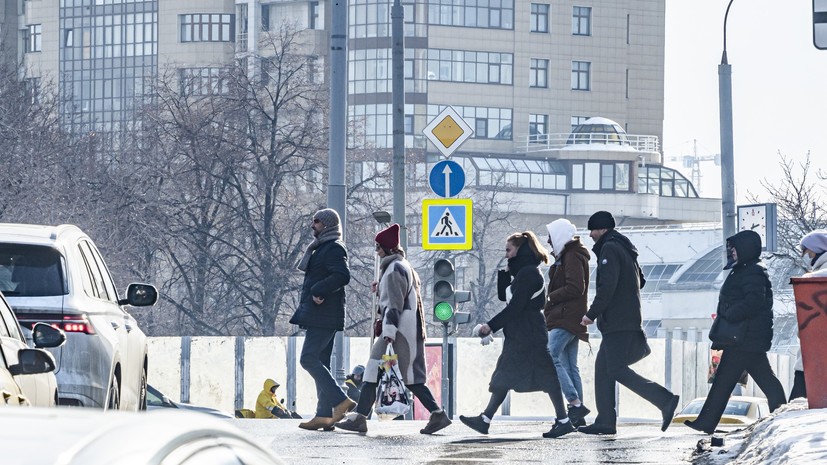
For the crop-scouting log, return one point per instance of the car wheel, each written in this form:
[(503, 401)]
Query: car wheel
[(114, 396), (142, 398)]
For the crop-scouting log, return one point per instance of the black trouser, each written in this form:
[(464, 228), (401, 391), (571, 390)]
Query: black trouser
[(368, 397), (733, 363), (498, 397), (611, 366), (799, 388)]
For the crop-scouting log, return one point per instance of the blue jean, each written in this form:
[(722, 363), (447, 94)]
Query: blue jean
[(315, 359), (563, 347)]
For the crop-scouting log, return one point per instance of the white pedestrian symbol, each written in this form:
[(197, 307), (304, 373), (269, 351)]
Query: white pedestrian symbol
[(447, 226)]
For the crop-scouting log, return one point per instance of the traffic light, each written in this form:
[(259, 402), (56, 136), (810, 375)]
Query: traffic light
[(444, 280), (446, 296)]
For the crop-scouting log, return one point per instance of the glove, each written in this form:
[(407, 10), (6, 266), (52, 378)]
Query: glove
[(484, 340)]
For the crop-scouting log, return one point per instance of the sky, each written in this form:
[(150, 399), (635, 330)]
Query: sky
[(779, 89)]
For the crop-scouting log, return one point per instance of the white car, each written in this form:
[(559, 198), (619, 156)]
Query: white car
[(91, 437), (39, 388), (55, 274)]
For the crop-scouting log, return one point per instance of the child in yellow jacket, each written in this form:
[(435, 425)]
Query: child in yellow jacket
[(267, 405)]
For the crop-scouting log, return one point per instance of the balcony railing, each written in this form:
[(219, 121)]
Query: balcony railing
[(543, 142)]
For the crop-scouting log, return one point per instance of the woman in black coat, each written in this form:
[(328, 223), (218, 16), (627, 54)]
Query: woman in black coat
[(745, 299), (525, 364)]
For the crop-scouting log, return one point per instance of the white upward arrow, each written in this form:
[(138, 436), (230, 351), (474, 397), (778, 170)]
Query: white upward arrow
[(447, 172)]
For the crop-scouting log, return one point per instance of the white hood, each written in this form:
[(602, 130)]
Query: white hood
[(560, 231)]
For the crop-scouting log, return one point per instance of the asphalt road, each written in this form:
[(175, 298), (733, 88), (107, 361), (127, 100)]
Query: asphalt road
[(509, 442)]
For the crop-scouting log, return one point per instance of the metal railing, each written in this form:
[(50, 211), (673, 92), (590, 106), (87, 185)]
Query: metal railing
[(543, 142)]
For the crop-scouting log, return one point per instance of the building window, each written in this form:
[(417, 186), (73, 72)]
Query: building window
[(265, 17), (580, 75), (595, 176), (494, 14), (207, 27), (539, 17), (537, 128), (32, 90), (32, 36), (481, 128), (409, 124), (489, 123), (203, 81), (468, 66), (581, 21), (577, 121), (314, 21), (538, 76)]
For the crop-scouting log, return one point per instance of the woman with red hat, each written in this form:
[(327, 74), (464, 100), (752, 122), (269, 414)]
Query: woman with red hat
[(403, 327)]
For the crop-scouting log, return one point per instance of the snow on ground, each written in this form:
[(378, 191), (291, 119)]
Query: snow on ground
[(792, 435)]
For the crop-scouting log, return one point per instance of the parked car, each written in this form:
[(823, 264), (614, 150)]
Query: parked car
[(56, 275), (40, 389), (740, 411), (156, 399), (25, 374), (91, 437)]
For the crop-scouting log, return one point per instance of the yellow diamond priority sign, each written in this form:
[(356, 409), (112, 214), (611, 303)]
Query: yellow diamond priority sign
[(448, 131)]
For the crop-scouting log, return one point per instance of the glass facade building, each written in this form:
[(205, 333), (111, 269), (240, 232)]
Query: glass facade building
[(108, 53)]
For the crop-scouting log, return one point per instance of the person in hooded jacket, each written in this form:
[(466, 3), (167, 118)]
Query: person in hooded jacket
[(525, 364), (566, 304), (745, 297), (813, 245), (616, 308), (403, 327), (353, 382), (268, 405)]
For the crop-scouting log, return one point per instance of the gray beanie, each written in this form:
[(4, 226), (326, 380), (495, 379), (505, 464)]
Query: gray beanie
[(815, 241), (327, 217)]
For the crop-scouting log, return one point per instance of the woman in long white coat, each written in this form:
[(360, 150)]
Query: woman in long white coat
[(403, 327)]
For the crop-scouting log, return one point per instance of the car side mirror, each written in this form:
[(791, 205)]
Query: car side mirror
[(32, 362), (140, 295), (47, 336)]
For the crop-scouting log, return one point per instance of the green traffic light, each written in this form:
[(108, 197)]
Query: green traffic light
[(443, 311)]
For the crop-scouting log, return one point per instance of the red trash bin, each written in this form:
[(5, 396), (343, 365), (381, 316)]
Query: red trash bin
[(811, 310)]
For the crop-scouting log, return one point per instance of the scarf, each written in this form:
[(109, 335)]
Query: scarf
[(330, 233)]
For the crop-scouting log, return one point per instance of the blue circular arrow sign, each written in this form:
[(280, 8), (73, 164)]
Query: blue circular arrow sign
[(447, 178)]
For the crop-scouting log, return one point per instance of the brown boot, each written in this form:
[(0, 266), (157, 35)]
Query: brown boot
[(358, 423), (341, 410), (317, 423), (438, 421)]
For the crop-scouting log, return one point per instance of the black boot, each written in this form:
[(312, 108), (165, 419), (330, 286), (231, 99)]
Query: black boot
[(476, 423), (577, 415)]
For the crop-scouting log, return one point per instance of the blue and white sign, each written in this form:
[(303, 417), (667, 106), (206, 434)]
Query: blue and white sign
[(447, 178), (446, 224)]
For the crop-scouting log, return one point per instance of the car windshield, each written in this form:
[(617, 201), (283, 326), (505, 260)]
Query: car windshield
[(736, 408), (30, 271)]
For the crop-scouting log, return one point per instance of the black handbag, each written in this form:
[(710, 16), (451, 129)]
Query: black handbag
[(726, 333)]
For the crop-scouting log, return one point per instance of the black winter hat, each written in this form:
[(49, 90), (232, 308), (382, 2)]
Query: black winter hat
[(601, 220)]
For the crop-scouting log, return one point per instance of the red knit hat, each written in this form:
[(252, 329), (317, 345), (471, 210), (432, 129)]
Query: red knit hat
[(388, 238)]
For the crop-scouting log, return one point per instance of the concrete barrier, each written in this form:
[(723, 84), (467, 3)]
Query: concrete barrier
[(225, 373)]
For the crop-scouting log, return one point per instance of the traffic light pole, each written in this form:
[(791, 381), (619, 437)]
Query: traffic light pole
[(446, 379)]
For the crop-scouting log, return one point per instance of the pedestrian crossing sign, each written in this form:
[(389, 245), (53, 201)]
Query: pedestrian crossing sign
[(446, 224)]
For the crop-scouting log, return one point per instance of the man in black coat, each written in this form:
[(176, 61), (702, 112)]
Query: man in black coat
[(745, 300), (321, 313), (616, 308)]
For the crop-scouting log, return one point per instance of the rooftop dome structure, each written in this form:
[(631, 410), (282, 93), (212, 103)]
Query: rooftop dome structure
[(597, 130)]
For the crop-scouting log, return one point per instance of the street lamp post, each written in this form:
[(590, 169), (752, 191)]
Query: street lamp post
[(727, 162)]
